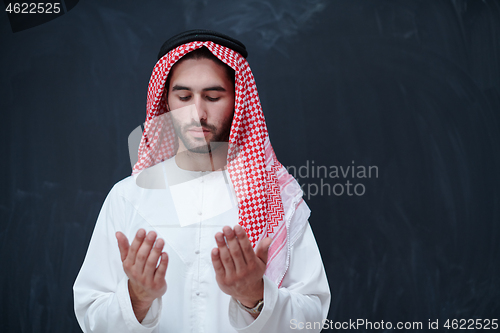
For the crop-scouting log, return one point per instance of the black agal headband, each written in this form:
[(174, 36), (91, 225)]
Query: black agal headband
[(202, 36)]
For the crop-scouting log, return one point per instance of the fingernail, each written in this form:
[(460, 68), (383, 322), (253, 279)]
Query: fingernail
[(219, 237), (141, 233), (239, 230), (151, 236)]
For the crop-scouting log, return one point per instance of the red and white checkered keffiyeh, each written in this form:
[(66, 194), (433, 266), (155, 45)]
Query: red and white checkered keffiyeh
[(267, 194)]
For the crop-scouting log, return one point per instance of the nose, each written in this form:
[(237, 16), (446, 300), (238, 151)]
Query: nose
[(200, 108)]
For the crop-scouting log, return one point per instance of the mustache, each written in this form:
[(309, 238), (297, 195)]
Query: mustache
[(202, 123)]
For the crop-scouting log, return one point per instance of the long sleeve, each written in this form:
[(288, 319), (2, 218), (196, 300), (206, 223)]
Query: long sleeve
[(303, 298), (193, 301), (102, 301)]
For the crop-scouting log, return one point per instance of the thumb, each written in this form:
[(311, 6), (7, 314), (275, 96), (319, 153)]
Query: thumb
[(263, 249), (123, 244)]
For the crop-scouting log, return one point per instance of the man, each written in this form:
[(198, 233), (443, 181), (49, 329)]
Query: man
[(239, 254)]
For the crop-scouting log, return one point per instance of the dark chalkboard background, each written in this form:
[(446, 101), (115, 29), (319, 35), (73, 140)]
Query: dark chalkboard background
[(411, 87)]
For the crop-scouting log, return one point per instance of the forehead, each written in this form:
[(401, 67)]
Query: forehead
[(198, 71)]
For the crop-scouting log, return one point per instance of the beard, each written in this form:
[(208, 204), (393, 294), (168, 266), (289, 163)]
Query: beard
[(220, 135)]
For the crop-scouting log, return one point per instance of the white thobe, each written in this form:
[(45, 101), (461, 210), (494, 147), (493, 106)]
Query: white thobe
[(193, 301)]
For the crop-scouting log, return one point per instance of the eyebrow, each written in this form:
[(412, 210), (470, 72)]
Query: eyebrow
[(213, 88)]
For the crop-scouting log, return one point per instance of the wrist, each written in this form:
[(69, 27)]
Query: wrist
[(251, 300), (249, 303), (138, 302), (254, 311), (141, 306)]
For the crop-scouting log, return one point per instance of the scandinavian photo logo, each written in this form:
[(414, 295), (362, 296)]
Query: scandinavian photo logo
[(319, 180)]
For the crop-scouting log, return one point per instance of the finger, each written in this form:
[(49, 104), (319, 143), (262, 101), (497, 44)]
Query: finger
[(217, 263), (152, 261), (144, 250), (123, 244), (136, 243), (234, 249), (263, 249), (246, 246), (224, 254), (162, 268)]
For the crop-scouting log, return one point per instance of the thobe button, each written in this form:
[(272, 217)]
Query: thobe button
[(197, 293), (197, 251), (199, 212)]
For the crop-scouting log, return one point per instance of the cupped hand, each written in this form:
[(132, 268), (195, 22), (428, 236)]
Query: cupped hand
[(238, 268), (146, 278)]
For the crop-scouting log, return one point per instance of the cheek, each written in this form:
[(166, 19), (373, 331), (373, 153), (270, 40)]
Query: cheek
[(175, 121), (171, 103), (224, 112), (180, 118), (228, 109)]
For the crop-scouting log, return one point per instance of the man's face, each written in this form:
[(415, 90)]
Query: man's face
[(206, 85)]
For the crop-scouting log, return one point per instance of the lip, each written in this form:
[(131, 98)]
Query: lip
[(198, 132)]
